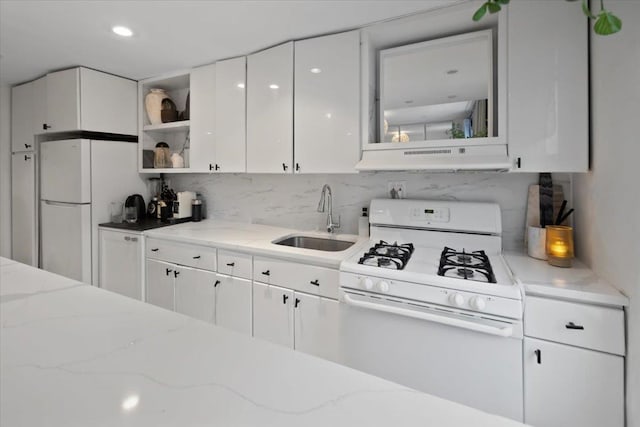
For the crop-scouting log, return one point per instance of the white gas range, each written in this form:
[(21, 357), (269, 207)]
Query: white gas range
[(431, 303)]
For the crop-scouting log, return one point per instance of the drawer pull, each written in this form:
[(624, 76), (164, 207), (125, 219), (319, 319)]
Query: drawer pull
[(175, 273), (538, 354), (231, 264), (315, 283), (167, 271), (215, 285), (134, 239), (196, 257), (572, 325), (155, 249), (285, 298), (295, 305), (127, 238), (267, 273)]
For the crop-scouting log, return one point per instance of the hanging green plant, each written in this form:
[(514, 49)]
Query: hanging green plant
[(606, 22)]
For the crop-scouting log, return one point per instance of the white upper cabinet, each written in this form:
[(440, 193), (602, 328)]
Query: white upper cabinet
[(27, 114), (327, 104), (548, 87), (203, 111), (270, 110), (89, 100), (230, 115), (63, 101)]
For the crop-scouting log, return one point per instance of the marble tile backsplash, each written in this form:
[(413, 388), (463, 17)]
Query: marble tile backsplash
[(291, 200)]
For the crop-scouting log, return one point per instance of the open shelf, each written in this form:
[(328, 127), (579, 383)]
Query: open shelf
[(170, 127)]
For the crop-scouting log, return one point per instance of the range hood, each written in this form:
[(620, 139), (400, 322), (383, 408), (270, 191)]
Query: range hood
[(445, 158)]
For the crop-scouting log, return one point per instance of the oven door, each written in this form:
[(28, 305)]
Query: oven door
[(472, 360)]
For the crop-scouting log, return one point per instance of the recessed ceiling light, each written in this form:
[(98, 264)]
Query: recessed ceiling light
[(452, 71), (240, 85), (274, 86), (122, 31), (452, 96), (328, 115), (315, 70)]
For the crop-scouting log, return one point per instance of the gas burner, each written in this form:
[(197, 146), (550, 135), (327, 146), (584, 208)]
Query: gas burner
[(387, 255), (473, 265), (464, 272)]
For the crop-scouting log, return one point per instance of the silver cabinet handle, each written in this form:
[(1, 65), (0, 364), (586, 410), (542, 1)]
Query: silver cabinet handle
[(127, 238), (134, 239)]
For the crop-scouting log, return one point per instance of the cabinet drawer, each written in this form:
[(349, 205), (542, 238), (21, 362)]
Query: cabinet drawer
[(182, 253), (588, 326), (234, 264), (300, 277)]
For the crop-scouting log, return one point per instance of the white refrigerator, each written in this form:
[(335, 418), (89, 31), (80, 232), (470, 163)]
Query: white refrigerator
[(79, 179)]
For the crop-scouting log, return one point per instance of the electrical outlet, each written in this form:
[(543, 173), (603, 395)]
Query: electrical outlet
[(397, 189)]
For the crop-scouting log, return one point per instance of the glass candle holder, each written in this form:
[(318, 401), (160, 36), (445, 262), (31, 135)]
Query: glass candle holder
[(559, 245)]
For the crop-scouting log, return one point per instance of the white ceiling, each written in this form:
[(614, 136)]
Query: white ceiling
[(41, 36)]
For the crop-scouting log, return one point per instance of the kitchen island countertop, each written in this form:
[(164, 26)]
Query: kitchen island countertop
[(75, 355)]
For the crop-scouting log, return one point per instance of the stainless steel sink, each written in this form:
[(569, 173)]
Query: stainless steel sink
[(317, 243)]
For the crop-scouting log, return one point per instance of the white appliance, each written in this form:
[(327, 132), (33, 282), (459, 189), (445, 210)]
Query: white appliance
[(432, 304), (79, 179)]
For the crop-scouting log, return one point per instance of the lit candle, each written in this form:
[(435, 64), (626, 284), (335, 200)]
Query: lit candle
[(559, 245)]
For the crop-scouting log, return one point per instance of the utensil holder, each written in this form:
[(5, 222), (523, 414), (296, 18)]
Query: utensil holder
[(536, 242)]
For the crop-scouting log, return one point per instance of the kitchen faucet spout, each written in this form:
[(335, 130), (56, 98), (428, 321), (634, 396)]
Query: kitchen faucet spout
[(326, 199)]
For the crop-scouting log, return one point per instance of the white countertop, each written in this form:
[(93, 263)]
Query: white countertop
[(256, 239), (577, 283), (75, 355)]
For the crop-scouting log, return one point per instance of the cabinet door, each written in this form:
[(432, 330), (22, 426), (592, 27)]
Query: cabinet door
[(273, 314), (327, 104), (317, 326), (63, 100), (160, 280), (24, 245), (22, 117), (195, 293), (230, 115), (569, 386), (548, 108), (121, 263), (270, 110), (202, 100), (233, 303)]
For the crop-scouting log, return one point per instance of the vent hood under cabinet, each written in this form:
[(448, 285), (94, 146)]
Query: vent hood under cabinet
[(476, 158)]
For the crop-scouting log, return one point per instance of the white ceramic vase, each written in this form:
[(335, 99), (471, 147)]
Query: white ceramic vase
[(153, 105)]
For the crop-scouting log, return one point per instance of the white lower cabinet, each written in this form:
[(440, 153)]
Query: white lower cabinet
[(316, 326), (307, 323), (194, 293), (273, 314), (160, 280), (233, 303), (121, 254), (573, 364), (570, 386)]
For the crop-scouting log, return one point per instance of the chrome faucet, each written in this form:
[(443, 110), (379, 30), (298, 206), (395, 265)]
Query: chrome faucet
[(326, 194)]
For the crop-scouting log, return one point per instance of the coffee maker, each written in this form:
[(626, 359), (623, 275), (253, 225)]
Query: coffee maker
[(134, 208)]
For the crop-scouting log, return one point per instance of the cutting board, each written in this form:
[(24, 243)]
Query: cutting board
[(533, 206)]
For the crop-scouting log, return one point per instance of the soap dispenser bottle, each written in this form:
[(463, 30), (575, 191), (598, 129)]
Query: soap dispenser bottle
[(363, 223)]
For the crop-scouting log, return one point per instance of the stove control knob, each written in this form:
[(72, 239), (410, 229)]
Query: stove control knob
[(478, 303), (366, 283), (383, 286), (456, 299)]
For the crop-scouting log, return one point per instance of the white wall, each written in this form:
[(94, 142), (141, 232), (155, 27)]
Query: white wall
[(5, 171), (607, 200), (291, 200)]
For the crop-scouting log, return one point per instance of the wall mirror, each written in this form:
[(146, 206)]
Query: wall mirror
[(438, 90)]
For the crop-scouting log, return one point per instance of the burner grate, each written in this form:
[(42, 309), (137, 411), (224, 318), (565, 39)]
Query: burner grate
[(388, 255), (473, 265)]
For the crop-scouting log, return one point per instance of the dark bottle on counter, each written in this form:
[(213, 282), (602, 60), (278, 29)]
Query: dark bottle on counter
[(196, 210)]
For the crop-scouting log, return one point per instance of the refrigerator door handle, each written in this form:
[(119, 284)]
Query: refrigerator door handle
[(63, 204)]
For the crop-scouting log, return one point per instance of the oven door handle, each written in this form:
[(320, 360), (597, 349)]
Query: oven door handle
[(505, 331)]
